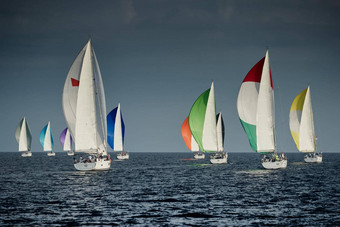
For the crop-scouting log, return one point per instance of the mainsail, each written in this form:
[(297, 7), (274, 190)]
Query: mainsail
[(46, 138), (23, 135), (115, 129), (187, 136), (66, 140), (255, 106), (202, 121), (220, 132), (84, 103), (301, 122)]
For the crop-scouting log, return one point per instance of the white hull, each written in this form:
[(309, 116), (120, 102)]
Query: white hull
[(315, 159), (70, 153), (99, 165), (199, 156), (50, 154), (123, 156), (280, 164), (219, 158), (26, 154)]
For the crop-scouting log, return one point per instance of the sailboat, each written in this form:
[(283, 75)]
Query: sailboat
[(84, 110), (219, 156), (46, 139), (255, 106), (202, 123), (301, 126), (66, 141), (24, 138), (116, 132), (190, 140)]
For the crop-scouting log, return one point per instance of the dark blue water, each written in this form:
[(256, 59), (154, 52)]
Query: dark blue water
[(162, 189)]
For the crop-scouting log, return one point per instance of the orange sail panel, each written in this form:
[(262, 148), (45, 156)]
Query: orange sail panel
[(187, 136)]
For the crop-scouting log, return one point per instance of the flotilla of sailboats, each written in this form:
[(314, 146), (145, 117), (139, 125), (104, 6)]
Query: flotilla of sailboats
[(116, 132), (301, 124), (84, 108)]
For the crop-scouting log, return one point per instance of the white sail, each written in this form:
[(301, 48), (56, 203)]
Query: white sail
[(47, 140), (67, 142), (219, 133), (209, 137), (118, 136), (86, 121), (23, 135), (265, 112), (307, 135), (194, 145), (70, 92)]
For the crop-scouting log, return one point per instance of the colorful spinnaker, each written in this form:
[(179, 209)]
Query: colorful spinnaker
[(23, 136), (66, 139), (301, 122), (115, 129), (187, 136), (255, 106), (46, 137), (202, 121)]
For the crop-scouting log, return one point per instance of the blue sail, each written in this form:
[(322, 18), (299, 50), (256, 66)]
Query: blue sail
[(43, 134), (111, 118)]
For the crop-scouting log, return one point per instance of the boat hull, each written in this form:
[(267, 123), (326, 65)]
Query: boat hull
[(316, 159), (280, 164), (26, 154), (70, 153), (98, 165), (199, 156), (50, 154), (219, 158), (124, 156)]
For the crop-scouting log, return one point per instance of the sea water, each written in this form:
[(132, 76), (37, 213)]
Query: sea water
[(169, 189)]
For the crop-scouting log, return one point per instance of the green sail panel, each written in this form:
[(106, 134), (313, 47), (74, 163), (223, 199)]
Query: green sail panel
[(251, 133), (197, 116)]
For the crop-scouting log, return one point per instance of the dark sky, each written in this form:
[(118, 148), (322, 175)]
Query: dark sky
[(158, 56)]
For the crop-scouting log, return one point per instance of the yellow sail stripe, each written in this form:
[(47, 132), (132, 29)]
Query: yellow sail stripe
[(295, 136)]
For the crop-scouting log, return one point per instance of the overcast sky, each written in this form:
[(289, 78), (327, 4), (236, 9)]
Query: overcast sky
[(158, 56)]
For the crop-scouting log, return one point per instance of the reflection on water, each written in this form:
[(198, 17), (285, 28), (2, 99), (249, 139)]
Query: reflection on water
[(168, 189)]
